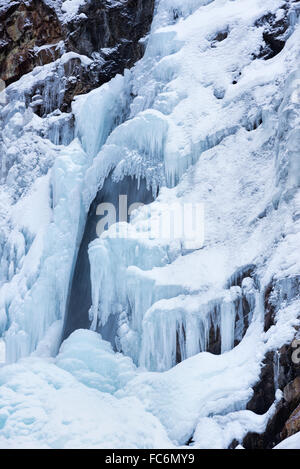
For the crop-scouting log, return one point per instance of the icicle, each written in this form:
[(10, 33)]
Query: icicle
[(276, 369), (228, 316)]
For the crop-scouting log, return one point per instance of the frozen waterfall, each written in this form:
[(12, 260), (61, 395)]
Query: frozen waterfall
[(164, 340)]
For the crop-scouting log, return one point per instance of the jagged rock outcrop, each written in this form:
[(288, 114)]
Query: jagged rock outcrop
[(276, 30), (108, 33), (30, 35), (292, 425), (277, 292), (280, 371), (292, 391), (291, 395)]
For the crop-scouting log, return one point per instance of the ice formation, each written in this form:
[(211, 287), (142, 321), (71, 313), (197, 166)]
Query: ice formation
[(201, 118)]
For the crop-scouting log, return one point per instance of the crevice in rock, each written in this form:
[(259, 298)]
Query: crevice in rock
[(180, 333), (253, 124), (242, 272), (219, 37)]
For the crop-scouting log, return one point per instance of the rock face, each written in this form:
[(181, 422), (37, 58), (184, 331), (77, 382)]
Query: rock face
[(281, 371), (25, 29), (32, 34), (264, 390), (292, 391), (110, 32), (292, 426), (291, 394), (276, 30)]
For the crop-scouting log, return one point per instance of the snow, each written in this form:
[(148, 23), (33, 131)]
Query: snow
[(179, 120), (70, 8), (221, 430), (90, 396), (293, 442), (44, 406)]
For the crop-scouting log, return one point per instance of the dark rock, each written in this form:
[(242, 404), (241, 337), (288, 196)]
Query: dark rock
[(279, 371), (276, 31), (233, 444), (219, 37), (291, 391), (281, 364), (214, 344), (26, 26), (292, 425), (179, 333), (269, 306), (289, 369), (242, 319), (271, 436), (109, 34), (264, 390), (116, 28)]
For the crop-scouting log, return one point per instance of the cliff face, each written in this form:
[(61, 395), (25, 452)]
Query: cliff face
[(30, 33), (110, 32), (34, 33)]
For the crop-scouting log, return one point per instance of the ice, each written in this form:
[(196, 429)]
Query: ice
[(98, 113), (60, 128), (220, 431), (179, 328), (202, 121), (44, 406), (50, 343), (93, 362), (190, 401), (47, 226), (2, 351), (29, 317), (89, 387)]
